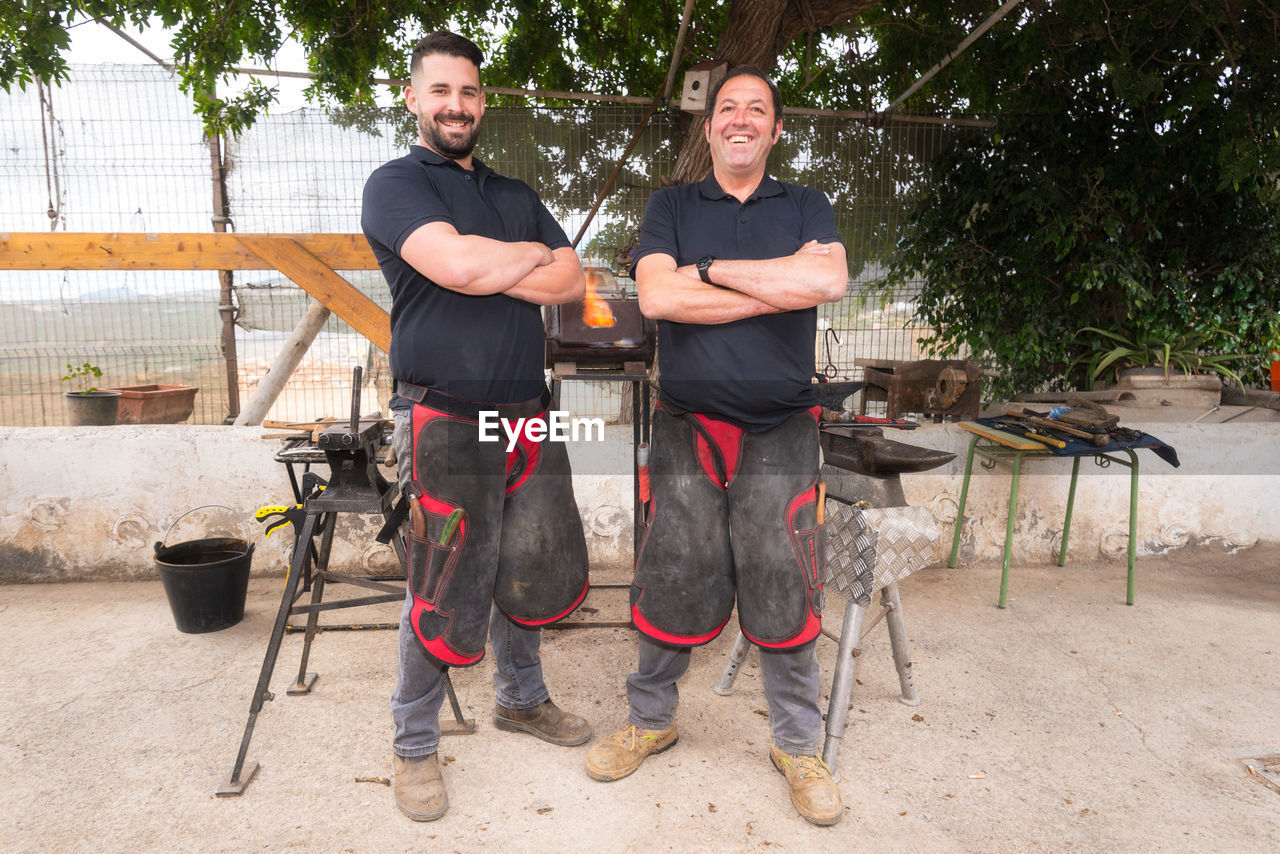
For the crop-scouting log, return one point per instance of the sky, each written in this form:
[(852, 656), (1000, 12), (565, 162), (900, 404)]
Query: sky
[(93, 43)]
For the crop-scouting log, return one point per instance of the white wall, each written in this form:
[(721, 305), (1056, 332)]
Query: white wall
[(89, 503)]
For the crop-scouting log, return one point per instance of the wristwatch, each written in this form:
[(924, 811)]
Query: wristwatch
[(704, 266)]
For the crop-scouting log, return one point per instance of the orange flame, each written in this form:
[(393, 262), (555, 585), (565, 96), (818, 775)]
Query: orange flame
[(595, 311)]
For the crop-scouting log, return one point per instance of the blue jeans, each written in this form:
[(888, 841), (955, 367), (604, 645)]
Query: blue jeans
[(420, 691), (791, 686)]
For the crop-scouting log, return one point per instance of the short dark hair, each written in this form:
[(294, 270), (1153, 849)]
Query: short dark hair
[(738, 71), (450, 44)]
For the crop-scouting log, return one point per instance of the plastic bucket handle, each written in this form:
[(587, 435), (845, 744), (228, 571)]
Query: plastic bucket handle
[(247, 534)]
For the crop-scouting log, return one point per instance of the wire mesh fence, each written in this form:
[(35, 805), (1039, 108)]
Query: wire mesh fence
[(117, 149)]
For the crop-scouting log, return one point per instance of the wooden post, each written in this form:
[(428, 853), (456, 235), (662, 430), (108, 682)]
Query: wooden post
[(226, 306), (286, 362)]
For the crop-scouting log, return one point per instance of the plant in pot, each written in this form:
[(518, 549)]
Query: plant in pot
[(1157, 359), (87, 405)]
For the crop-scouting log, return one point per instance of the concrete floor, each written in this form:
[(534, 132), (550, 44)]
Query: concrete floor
[(1067, 721)]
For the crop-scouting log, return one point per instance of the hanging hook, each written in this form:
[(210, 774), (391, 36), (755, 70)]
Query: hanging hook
[(830, 371)]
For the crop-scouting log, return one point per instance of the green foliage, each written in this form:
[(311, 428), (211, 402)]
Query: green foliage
[(33, 38), (605, 46), (592, 45), (1130, 183), (83, 377), (1184, 352)]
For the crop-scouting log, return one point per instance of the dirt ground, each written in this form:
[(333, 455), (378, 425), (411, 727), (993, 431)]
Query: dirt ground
[(1067, 721)]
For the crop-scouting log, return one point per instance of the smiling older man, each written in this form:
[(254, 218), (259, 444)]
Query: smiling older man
[(733, 267)]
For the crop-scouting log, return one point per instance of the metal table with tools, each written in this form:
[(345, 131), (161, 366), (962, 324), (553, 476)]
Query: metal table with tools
[(1009, 450)]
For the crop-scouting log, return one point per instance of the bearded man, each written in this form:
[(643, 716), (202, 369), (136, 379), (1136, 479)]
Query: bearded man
[(497, 544)]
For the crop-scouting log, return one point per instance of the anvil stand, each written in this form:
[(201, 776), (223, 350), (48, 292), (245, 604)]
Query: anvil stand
[(355, 486)]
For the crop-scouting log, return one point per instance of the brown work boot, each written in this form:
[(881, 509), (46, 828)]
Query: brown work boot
[(813, 792), (621, 753), (546, 721), (419, 787)]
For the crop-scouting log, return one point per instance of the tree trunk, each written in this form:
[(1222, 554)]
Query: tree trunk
[(757, 33)]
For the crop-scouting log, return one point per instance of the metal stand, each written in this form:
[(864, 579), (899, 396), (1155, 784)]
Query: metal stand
[(355, 486), (862, 559), (846, 668), (1001, 449), (635, 373)]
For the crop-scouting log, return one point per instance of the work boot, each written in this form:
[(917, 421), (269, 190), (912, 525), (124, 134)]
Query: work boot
[(419, 787), (813, 792), (546, 721), (621, 753)]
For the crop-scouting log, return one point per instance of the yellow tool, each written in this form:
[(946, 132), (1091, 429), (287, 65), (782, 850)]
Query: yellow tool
[(1048, 440)]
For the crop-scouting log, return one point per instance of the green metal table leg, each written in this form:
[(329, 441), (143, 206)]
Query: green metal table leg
[(1008, 530), (1133, 520), (964, 494), (1071, 500)]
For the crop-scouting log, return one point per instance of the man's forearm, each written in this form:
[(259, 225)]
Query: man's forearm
[(679, 295), (470, 264), (487, 266), (815, 275), (559, 282)]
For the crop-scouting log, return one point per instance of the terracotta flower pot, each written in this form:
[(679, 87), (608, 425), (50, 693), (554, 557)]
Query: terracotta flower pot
[(155, 404)]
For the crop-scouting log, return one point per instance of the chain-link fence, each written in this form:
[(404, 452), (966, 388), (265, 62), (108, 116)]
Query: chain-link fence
[(117, 149)]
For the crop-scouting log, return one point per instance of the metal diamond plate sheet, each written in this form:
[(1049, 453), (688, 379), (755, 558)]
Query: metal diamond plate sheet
[(868, 548)]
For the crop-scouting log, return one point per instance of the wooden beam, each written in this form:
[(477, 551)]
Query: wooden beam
[(171, 251), (318, 279)]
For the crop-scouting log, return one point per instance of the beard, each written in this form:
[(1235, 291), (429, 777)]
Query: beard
[(454, 145)]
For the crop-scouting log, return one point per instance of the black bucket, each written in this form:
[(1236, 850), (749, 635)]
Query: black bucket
[(206, 582)]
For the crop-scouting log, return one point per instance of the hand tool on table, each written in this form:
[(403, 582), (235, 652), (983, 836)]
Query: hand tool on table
[(1040, 419), (1029, 431)]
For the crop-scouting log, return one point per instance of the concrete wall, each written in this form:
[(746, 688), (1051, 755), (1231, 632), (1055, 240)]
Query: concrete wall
[(89, 503)]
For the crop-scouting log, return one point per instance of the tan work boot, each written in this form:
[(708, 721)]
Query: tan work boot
[(419, 787), (813, 792), (621, 753), (546, 721)]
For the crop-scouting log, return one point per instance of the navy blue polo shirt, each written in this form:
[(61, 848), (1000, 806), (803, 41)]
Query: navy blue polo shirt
[(482, 348), (757, 371)]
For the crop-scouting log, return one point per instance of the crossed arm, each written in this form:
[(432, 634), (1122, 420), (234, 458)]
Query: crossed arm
[(817, 273), (479, 266)]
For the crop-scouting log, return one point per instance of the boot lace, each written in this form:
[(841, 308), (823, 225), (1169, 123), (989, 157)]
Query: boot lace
[(807, 766), (631, 736)]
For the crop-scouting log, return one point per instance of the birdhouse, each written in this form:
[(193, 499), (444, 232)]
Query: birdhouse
[(699, 80)]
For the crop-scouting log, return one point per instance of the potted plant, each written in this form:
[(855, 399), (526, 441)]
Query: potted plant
[(1159, 362), (87, 405), (155, 404)]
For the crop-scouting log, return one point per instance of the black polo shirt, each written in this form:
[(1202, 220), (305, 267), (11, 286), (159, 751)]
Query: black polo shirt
[(482, 348), (757, 371)]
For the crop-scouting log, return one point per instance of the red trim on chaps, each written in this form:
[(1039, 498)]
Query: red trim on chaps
[(531, 451), (728, 439), (561, 615), (436, 646), (812, 626), (667, 637)]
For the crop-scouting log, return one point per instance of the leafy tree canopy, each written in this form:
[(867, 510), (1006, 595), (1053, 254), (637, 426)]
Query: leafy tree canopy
[(589, 46), (1131, 182)]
